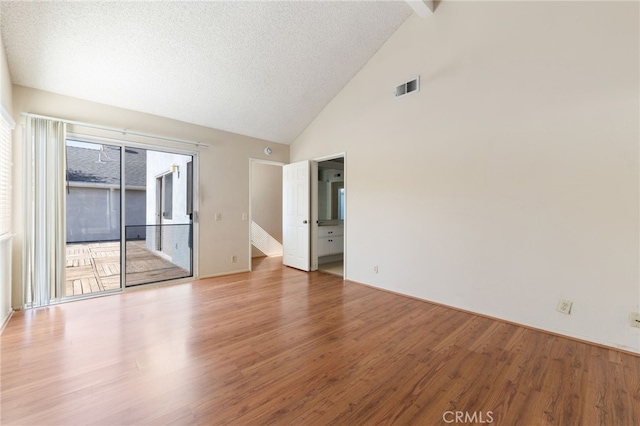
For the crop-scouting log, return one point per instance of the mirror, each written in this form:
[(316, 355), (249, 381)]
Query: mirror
[(331, 190)]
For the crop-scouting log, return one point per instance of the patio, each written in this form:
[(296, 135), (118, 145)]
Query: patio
[(95, 267)]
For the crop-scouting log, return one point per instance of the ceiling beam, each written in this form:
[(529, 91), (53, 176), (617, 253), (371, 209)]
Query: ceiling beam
[(422, 8)]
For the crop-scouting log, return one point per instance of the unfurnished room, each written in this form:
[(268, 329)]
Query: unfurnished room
[(320, 212)]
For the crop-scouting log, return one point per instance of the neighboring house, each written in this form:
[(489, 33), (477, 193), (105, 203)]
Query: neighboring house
[(93, 192)]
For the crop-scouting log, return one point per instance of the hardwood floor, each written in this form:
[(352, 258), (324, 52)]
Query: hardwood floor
[(280, 346)]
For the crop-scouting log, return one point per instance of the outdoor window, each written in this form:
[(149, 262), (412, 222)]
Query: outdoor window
[(190, 188), (5, 174), (167, 196)]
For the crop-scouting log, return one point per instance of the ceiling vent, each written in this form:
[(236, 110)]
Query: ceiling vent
[(408, 87)]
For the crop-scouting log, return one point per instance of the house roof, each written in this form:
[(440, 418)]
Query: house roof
[(103, 165), (262, 69)]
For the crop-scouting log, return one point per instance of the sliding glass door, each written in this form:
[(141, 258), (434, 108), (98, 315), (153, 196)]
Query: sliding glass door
[(159, 245), (93, 217), (155, 243)]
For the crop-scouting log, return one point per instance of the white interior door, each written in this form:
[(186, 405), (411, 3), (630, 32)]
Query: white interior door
[(295, 214)]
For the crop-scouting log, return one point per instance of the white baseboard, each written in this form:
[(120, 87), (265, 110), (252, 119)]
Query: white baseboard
[(222, 274), (6, 320)]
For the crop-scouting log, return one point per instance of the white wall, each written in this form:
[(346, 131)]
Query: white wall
[(511, 179), (5, 80), (223, 173)]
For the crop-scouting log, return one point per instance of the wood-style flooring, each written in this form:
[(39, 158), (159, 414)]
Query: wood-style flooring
[(280, 346)]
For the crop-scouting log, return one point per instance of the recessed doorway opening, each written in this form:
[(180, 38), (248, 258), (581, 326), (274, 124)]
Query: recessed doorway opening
[(330, 207), (265, 211)]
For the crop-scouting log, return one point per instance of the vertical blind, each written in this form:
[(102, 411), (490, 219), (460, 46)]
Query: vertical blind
[(44, 233), (6, 124)]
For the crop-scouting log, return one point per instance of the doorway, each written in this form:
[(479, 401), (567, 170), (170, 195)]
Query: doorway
[(265, 211), (329, 207), (93, 218), (315, 214), (159, 245)]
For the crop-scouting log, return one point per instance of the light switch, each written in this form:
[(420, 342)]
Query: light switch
[(218, 217), (634, 319)]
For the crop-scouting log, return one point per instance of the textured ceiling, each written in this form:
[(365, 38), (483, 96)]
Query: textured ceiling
[(263, 69)]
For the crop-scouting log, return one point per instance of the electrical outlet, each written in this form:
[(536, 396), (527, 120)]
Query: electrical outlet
[(375, 269), (234, 259), (245, 216), (634, 319), (218, 217), (565, 306)]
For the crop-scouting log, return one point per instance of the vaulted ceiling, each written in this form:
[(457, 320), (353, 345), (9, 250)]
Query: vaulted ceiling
[(262, 69)]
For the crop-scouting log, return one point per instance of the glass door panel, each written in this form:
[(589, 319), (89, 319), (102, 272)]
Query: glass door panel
[(158, 242), (158, 231), (92, 218)]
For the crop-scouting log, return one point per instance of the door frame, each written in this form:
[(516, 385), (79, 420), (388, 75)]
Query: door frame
[(253, 161), (158, 214), (123, 144), (314, 210)]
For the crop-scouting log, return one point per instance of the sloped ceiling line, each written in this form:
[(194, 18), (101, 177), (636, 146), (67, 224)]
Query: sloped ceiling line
[(261, 69)]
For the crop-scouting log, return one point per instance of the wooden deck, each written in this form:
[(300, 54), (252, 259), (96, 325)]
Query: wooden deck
[(145, 266), (92, 268), (95, 267)]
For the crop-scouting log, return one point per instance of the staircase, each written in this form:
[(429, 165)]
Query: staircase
[(264, 242)]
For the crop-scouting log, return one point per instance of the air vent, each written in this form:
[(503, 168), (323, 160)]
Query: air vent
[(408, 87)]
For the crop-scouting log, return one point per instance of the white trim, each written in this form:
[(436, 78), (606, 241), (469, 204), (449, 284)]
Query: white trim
[(422, 8), (6, 320), (123, 215), (81, 137), (7, 117), (314, 207), (223, 274), (195, 155), (124, 132), (331, 157), (148, 286), (269, 162), (78, 184), (168, 172), (6, 237)]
